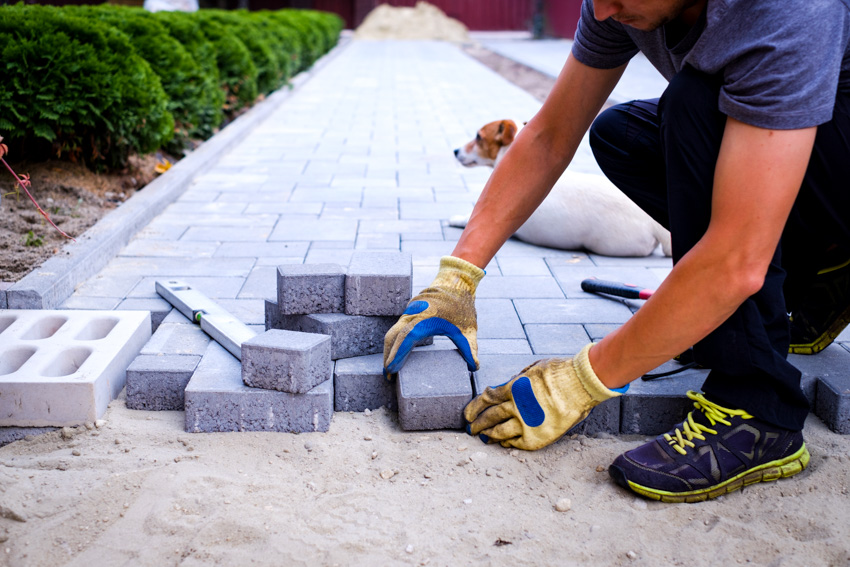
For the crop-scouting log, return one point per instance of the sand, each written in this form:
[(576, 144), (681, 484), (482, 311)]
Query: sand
[(140, 491), (425, 21)]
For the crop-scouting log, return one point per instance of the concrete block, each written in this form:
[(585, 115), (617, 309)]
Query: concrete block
[(274, 319), (359, 384), (653, 407), (12, 434), (557, 340), (495, 370), (303, 289), (432, 389), (833, 402), (62, 368), (351, 335), (378, 283), (157, 382), (216, 399), (287, 361), (3, 287), (158, 307), (830, 363)]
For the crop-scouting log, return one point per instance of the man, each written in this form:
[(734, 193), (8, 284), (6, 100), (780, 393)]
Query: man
[(748, 146)]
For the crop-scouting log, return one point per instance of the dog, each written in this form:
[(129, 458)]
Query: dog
[(583, 211)]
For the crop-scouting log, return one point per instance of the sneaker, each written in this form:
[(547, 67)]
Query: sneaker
[(716, 450), (824, 311)]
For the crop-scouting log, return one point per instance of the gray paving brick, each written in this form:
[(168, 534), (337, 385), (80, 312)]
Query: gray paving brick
[(310, 229), (829, 363), (173, 267), (274, 319), (571, 311), (333, 211), (378, 283), (216, 399), (262, 249), (652, 408), (158, 307), (503, 346), (157, 382), (359, 384), (497, 318), (522, 266), (656, 260), (177, 338), (318, 255), (598, 331), (165, 248), (228, 234), (351, 335), (559, 340), (833, 402), (514, 287), (108, 285), (287, 361), (260, 284), (248, 311), (310, 288), (212, 287), (496, 370), (85, 302), (380, 241), (12, 434), (432, 389)]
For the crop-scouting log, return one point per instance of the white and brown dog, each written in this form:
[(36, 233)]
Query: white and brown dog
[(583, 211)]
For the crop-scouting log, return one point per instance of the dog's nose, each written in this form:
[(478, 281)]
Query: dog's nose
[(457, 151)]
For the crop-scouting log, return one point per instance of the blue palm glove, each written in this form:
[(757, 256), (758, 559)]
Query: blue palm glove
[(446, 307)]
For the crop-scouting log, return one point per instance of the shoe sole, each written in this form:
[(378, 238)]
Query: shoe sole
[(825, 339), (774, 470)]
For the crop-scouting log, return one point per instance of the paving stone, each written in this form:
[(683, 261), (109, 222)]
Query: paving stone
[(90, 303), (157, 383), (274, 319), (351, 335), (653, 407), (522, 266), (378, 283), (212, 287), (503, 346), (253, 234), (432, 388), (833, 402), (514, 287), (579, 311), (312, 229), (598, 331), (304, 289), (287, 361), (158, 308), (359, 384), (263, 249), (12, 434), (833, 361), (216, 399), (177, 338), (559, 340), (496, 370), (3, 287)]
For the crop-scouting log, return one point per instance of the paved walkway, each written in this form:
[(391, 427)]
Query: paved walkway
[(361, 157), (641, 79)]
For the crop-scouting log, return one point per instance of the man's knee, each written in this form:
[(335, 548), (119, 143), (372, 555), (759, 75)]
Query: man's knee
[(607, 131)]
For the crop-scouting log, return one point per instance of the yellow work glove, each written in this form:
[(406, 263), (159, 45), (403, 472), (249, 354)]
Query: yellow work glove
[(446, 307), (538, 405)]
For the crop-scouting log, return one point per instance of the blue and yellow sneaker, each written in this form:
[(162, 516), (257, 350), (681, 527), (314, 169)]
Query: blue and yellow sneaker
[(715, 451)]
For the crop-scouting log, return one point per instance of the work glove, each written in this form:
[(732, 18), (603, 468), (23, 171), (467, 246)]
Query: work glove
[(446, 307), (538, 405)]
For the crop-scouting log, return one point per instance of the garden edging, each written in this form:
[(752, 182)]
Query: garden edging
[(50, 284)]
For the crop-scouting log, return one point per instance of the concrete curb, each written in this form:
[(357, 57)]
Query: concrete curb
[(47, 286)]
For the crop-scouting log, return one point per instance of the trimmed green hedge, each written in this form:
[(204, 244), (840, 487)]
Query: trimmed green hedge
[(97, 83)]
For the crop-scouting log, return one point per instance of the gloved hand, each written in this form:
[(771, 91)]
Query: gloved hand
[(446, 307), (538, 405)]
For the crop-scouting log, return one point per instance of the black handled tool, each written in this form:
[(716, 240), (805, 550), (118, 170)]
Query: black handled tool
[(629, 291)]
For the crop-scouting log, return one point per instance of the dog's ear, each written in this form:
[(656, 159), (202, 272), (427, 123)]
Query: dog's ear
[(507, 131)]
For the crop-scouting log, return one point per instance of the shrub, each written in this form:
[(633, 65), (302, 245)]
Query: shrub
[(76, 89), (185, 28), (285, 43), (235, 66), (312, 44), (178, 71)]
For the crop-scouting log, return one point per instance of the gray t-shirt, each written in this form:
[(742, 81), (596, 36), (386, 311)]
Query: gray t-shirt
[(781, 62)]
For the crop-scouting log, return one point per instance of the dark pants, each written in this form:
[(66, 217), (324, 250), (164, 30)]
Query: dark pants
[(662, 154)]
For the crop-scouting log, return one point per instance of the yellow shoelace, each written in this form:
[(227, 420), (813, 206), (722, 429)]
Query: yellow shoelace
[(690, 429)]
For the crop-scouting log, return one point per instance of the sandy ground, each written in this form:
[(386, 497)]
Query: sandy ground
[(140, 491)]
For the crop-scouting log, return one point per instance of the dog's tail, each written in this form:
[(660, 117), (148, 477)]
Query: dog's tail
[(459, 221)]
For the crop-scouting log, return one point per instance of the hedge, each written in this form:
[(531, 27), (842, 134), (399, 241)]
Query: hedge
[(98, 83)]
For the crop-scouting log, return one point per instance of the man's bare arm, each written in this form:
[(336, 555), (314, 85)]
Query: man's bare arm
[(535, 160), (757, 178)]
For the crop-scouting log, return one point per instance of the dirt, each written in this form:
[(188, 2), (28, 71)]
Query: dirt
[(74, 197), (424, 21)]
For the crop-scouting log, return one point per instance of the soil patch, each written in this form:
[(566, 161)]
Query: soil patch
[(74, 197)]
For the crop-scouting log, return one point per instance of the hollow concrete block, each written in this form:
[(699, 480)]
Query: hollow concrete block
[(287, 361), (216, 399), (303, 289), (157, 382), (432, 388), (359, 384), (378, 283)]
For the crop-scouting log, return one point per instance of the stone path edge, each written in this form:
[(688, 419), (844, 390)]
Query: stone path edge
[(50, 284)]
